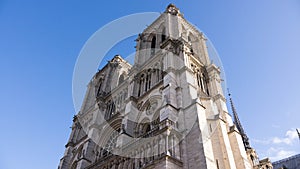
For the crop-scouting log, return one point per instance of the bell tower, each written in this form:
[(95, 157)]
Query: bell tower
[(167, 110), (170, 25)]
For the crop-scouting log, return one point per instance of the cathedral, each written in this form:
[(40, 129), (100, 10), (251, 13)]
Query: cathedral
[(167, 110)]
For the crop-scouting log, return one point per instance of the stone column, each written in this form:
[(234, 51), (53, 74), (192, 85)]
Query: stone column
[(153, 77), (121, 162)]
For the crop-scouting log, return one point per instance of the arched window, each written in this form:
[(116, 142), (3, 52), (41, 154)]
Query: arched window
[(110, 109), (205, 81), (74, 165), (158, 76), (80, 152), (144, 128), (153, 45), (111, 143), (190, 42), (202, 81), (252, 159), (121, 79), (163, 35), (147, 127), (99, 87), (189, 38), (148, 80), (141, 85)]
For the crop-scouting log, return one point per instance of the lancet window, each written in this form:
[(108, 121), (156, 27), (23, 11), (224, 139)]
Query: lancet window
[(111, 143), (146, 80), (121, 79), (202, 79), (190, 42), (153, 45), (163, 35), (110, 109), (100, 86)]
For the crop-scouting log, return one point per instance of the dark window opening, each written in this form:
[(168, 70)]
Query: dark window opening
[(163, 35), (153, 44), (121, 79)]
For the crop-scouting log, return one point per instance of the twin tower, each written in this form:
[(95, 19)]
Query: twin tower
[(167, 110)]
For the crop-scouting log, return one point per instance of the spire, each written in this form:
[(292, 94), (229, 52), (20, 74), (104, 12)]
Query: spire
[(298, 133), (238, 124)]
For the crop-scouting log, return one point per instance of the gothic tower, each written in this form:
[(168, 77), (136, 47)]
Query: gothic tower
[(167, 110)]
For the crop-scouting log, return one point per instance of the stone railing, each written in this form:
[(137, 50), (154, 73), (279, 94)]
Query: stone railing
[(143, 151)]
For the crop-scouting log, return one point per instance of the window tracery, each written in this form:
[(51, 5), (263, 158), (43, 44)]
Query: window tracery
[(201, 78), (110, 109), (111, 143), (146, 80)]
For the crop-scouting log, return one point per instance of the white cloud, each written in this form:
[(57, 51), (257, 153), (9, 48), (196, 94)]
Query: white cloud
[(277, 148), (276, 154), (292, 134), (277, 140), (290, 137)]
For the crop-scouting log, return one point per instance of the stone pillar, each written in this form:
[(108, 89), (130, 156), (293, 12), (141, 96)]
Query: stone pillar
[(162, 145), (142, 86), (153, 77), (120, 166), (177, 148), (168, 145)]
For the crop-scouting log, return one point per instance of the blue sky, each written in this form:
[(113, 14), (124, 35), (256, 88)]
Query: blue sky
[(258, 42)]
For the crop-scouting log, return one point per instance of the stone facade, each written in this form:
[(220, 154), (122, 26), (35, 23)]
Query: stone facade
[(167, 110)]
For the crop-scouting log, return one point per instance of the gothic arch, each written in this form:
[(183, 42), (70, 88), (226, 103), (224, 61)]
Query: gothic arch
[(192, 42), (145, 80), (77, 154), (158, 73), (109, 129), (122, 78), (155, 101), (153, 45), (201, 78), (74, 165), (162, 33), (155, 117), (111, 143), (191, 37), (143, 126), (99, 84), (110, 109)]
